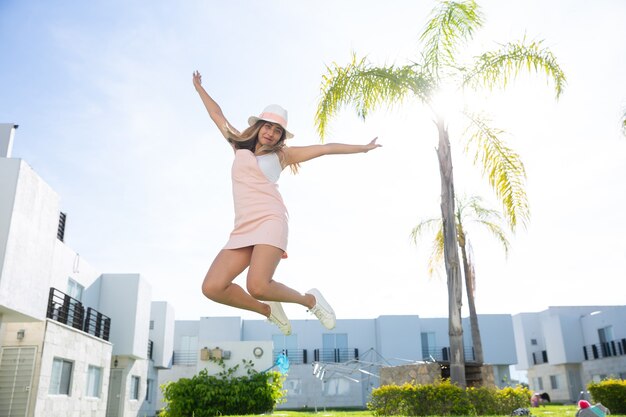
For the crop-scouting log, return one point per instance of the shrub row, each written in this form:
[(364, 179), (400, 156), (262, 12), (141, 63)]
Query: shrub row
[(611, 393), (444, 399), (207, 395)]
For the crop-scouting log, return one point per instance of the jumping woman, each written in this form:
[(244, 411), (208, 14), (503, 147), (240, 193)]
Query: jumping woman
[(259, 239)]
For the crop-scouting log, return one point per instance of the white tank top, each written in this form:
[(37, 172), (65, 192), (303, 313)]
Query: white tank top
[(270, 166)]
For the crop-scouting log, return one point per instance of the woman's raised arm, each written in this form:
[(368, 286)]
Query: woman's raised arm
[(215, 111), (297, 154)]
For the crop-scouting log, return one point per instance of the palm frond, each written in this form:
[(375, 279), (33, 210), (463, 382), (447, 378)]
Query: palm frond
[(473, 210), (451, 23), (497, 68), (429, 226), (502, 166), (497, 231), (365, 87), (436, 257), (425, 226)]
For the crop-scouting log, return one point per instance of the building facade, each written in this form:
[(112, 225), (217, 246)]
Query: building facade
[(337, 368), (73, 341), (565, 348)]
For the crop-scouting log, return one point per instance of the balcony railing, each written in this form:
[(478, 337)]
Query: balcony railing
[(442, 354), (335, 355), (150, 348), (540, 356), (70, 311), (185, 358), (605, 350), (295, 356)]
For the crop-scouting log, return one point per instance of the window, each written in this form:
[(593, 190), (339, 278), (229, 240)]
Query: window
[(428, 345), (74, 289), (134, 388), (533, 342), (151, 324), (605, 334), (554, 381), (149, 383), (334, 347), (282, 342), (540, 383), (94, 378), (61, 379)]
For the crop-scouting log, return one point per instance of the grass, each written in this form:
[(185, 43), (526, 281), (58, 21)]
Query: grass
[(544, 411)]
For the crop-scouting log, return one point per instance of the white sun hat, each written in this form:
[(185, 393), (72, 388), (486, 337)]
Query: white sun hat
[(274, 114)]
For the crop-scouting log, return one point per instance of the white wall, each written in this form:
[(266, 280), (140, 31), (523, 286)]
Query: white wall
[(125, 298), (67, 264), (162, 334), (497, 336), (399, 338), (29, 247), (219, 328), (605, 316), (527, 326)]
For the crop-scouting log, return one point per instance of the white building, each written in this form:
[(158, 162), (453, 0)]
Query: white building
[(73, 341), (384, 341), (565, 348)]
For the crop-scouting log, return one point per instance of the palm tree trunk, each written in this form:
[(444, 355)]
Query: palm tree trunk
[(451, 256), (469, 287)]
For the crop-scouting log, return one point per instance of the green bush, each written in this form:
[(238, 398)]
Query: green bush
[(440, 399), (611, 393), (444, 398), (207, 395)]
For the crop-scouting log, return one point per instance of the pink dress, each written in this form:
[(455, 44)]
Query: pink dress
[(260, 213)]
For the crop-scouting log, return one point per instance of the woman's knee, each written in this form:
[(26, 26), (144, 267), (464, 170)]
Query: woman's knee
[(257, 289), (211, 288)]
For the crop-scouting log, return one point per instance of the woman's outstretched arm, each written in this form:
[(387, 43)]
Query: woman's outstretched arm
[(297, 154), (215, 111)]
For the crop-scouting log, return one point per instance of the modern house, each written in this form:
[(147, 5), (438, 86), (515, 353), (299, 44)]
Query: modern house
[(335, 368), (565, 348), (73, 341)]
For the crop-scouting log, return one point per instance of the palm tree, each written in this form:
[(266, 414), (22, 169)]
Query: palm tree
[(467, 211), (366, 86)]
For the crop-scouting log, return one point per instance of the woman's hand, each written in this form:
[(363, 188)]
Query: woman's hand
[(197, 80), (372, 145)]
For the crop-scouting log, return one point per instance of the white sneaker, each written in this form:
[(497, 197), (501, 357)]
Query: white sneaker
[(322, 310), (278, 317)]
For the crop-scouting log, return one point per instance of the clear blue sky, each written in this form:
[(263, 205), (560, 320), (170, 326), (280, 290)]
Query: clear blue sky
[(109, 118)]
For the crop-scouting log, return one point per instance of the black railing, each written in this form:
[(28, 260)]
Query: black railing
[(605, 350), (442, 354), (97, 324), (539, 357), (185, 358), (295, 356), (70, 311), (150, 348), (335, 355)]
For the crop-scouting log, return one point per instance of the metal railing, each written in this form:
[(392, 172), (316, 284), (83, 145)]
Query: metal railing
[(295, 356), (70, 311), (442, 354), (540, 356), (97, 324), (337, 355), (605, 350), (185, 358)]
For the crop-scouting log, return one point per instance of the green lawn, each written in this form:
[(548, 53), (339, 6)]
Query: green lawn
[(547, 411)]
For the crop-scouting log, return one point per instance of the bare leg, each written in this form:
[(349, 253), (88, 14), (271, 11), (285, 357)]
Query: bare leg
[(218, 283), (263, 263)]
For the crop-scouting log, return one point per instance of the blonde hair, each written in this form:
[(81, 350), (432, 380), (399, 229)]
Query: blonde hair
[(249, 138)]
